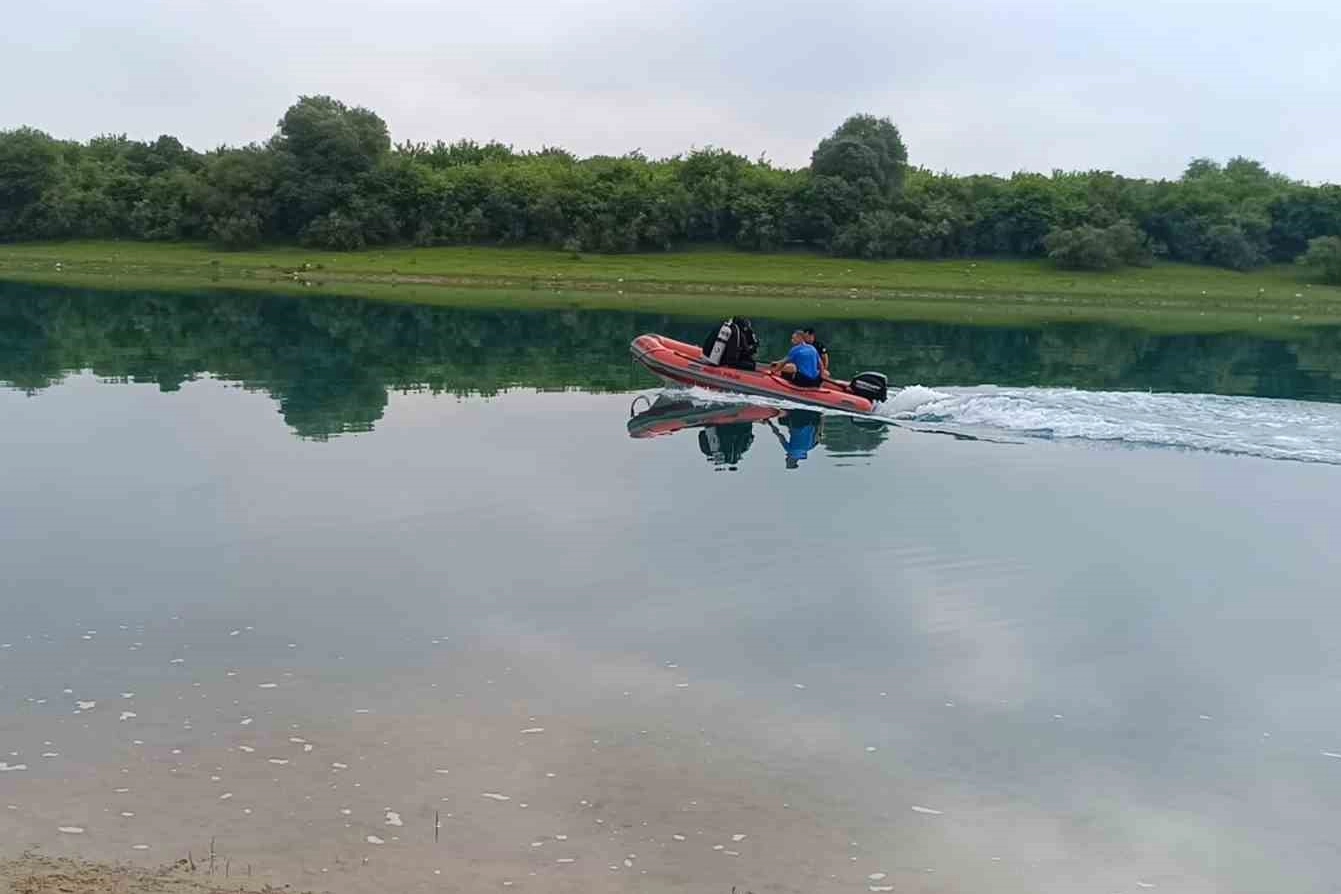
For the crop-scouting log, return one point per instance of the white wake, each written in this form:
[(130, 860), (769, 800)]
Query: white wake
[(1301, 431), (1251, 426)]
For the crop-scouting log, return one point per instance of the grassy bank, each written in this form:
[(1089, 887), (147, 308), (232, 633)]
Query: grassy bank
[(793, 285)]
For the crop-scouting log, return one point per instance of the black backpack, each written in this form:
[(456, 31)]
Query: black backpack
[(747, 342), (740, 348)]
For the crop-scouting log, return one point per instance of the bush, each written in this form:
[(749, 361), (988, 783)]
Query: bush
[(334, 231), (1131, 246), (153, 221), (1227, 245), (875, 234), (236, 232), (1081, 248), (1324, 258), (1095, 248)]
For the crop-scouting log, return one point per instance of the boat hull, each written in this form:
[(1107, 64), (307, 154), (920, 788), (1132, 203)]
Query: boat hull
[(685, 364)]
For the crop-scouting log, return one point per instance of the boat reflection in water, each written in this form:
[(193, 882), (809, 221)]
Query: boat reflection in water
[(726, 429)]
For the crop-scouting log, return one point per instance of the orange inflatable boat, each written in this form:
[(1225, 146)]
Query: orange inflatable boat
[(685, 364)]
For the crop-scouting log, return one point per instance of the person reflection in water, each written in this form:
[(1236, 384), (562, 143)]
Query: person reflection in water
[(803, 432), (725, 445)]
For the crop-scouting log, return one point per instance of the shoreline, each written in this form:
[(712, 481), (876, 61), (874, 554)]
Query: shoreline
[(35, 873), (1167, 297)]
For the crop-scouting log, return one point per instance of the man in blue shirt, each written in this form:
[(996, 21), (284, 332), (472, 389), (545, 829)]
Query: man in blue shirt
[(819, 346), (801, 366)]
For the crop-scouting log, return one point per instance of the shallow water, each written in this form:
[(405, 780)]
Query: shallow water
[(980, 649)]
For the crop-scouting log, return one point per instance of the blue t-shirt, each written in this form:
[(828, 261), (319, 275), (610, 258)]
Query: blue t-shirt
[(807, 360)]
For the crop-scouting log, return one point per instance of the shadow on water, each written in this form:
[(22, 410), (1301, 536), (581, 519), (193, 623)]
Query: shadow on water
[(330, 363)]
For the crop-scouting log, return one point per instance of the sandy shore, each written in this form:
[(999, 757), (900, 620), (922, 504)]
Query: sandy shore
[(36, 874)]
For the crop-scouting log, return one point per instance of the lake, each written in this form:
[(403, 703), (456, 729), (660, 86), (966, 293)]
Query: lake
[(370, 598)]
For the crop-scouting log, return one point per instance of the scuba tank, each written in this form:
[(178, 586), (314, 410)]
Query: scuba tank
[(718, 349)]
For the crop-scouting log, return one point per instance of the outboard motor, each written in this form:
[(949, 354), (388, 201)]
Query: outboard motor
[(871, 385)]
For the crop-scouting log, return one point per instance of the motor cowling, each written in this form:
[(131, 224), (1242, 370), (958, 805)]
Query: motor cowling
[(871, 385)]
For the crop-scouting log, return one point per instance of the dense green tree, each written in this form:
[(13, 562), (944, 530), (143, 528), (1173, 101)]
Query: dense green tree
[(1093, 248), (325, 149), (330, 139), (864, 150), (1230, 245), (874, 234), (331, 178), (28, 168), (160, 156), (1131, 246), (169, 207), (1081, 248), (238, 195), (1300, 213), (1324, 257)]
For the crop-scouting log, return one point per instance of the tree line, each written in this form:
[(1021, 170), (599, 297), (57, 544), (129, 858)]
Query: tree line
[(330, 363), (331, 178)]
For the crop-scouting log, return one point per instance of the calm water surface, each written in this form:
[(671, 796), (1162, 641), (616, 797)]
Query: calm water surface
[(277, 574)]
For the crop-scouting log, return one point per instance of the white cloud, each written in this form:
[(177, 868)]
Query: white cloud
[(975, 85)]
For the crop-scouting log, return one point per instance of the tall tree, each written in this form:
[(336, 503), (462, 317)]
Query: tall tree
[(28, 160), (864, 147), (326, 137), (325, 147)]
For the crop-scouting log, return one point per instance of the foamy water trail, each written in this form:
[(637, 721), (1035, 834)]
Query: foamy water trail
[(1301, 431), (1249, 426)]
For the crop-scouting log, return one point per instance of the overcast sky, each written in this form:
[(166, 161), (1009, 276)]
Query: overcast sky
[(1135, 86)]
